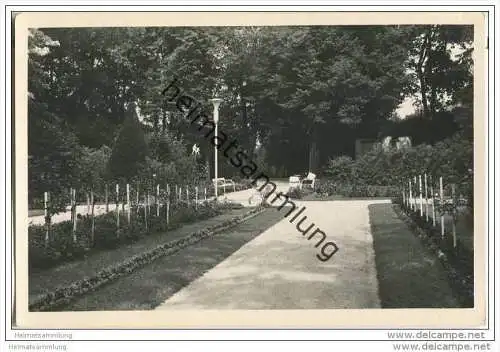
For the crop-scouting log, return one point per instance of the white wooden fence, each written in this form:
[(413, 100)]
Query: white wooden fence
[(162, 197), (426, 197)]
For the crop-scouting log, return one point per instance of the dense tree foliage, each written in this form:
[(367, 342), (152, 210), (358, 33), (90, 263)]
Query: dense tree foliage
[(441, 63), (293, 97)]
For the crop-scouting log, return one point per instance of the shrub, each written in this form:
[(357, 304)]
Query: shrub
[(451, 158), (340, 169)]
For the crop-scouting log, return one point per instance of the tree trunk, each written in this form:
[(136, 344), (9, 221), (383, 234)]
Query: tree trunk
[(313, 149), (422, 69), (428, 73), (423, 92), (313, 159)]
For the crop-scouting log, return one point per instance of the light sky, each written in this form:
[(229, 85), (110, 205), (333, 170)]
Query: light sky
[(406, 107)]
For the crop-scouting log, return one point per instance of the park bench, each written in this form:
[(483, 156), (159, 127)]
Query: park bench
[(308, 181), (294, 182), (224, 182)]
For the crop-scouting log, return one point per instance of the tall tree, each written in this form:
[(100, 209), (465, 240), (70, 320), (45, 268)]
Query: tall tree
[(441, 63)]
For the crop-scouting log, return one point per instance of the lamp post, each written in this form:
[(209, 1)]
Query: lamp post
[(216, 102)]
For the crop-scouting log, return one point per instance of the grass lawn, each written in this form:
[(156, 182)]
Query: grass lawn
[(409, 275), (42, 281), (151, 285)]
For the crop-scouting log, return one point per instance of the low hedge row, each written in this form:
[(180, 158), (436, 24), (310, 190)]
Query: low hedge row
[(330, 187), (63, 295), (61, 246)]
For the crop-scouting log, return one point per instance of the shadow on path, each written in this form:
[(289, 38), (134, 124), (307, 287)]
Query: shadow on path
[(151, 285)]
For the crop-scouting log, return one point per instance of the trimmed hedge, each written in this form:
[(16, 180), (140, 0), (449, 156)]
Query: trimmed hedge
[(62, 248)]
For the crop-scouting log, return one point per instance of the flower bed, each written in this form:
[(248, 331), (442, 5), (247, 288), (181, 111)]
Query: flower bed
[(64, 295), (62, 247)]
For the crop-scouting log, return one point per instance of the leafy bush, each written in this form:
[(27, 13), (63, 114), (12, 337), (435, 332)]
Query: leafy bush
[(340, 169), (451, 158)]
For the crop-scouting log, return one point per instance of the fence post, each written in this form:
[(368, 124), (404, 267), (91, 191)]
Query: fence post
[(405, 194), (420, 196), (168, 191), (187, 195), (137, 199), (146, 201), (88, 202), (410, 200), (92, 231), (433, 204), (70, 194), (168, 212), (426, 199), (196, 197), (453, 224), (205, 198), (441, 202), (71, 203), (117, 208), (74, 216), (73, 210), (414, 190), (47, 217), (158, 200), (106, 197), (128, 203)]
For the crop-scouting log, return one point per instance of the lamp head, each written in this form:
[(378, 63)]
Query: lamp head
[(216, 102)]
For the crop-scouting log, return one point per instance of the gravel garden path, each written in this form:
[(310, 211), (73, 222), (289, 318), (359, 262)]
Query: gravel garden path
[(280, 269)]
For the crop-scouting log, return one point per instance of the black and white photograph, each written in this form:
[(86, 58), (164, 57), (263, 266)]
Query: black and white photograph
[(253, 167)]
